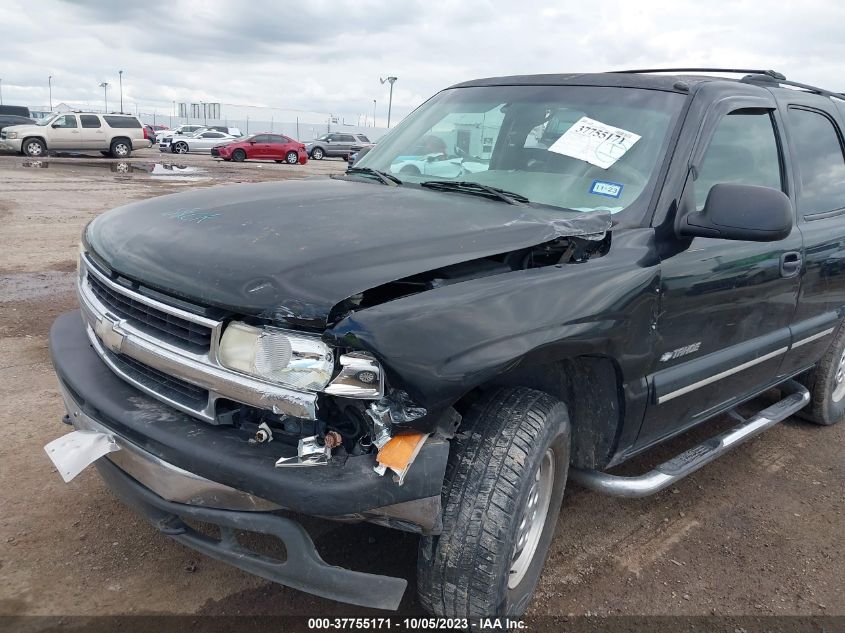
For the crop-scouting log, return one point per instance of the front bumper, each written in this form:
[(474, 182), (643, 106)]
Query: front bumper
[(223, 454), (11, 144), (301, 568), (172, 467)]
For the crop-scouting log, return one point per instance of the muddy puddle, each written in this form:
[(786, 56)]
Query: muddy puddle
[(119, 169)]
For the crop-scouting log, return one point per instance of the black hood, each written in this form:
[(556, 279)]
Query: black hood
[(291, 251)]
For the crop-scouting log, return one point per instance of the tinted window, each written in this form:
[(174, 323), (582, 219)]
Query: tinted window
[(363, 138), (346, 138), (90, 120), (68, 120), (261, 138), (211, 135), (122, 121), (821, 162), (743, 151), (275, 138)]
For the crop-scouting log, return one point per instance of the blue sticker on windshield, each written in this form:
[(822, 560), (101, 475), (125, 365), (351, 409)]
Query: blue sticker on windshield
[(605, 188)]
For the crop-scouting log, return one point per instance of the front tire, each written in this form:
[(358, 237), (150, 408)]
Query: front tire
[(291, 158), (501, 497), (238, 156), (120, 149), (317, 153), (34, 147), (180, 148), (827, 385)]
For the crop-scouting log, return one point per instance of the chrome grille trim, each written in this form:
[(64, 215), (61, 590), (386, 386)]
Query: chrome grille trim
[(111, 334)]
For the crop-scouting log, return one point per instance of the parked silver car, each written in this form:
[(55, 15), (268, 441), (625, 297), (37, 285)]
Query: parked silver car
[(199, 142), (335, 144)]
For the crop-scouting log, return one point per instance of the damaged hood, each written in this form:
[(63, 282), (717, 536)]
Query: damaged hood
[(290, 251)]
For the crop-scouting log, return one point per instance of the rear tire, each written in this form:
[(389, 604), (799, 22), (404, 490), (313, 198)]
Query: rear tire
[(34, 147), (238, 156), (120, 148), (501, 497), (827, 385)]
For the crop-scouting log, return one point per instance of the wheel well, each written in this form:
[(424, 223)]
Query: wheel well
[(29, 138), (121, 138), (591, 388)]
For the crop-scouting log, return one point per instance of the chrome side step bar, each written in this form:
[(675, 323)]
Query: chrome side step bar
[(796, 397)]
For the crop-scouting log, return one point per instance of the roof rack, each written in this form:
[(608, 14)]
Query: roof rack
[(751, 76), (738, 71)]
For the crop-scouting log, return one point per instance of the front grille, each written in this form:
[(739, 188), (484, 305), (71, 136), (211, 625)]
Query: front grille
[(215, 151), (166, 386), (171, 328)]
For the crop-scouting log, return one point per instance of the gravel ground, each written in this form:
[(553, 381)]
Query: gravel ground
[(758, 532)]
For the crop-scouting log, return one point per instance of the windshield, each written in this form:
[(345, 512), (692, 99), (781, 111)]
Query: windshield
[(577, 147)]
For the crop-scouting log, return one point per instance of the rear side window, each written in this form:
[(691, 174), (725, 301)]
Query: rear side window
[(346, 138), (821, 161), (363, 138), (89, 120), (122, 121), (743, 151)]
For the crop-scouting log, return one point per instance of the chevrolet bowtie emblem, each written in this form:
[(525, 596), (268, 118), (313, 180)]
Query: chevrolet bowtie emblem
[(109, 333)]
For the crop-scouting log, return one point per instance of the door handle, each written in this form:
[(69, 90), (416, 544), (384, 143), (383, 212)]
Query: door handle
[(790, 264)]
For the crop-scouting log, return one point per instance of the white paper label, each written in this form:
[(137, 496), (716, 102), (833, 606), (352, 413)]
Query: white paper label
[(594, 142)]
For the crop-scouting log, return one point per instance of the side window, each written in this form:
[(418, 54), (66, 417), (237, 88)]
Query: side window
[(275, 138), (261, 138), (90, 120), (68, 120), (743, 151), (347, 138), (363, 139), (821, 162)]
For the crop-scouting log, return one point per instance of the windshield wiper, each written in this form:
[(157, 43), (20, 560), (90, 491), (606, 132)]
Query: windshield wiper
[(383, 176), (477, 189)]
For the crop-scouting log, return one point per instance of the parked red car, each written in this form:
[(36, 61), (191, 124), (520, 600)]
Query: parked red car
[(263, 147)]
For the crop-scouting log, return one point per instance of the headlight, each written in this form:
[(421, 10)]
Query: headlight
[(11, 135), (277, 356)]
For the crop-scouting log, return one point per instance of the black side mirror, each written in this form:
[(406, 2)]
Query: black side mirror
[(741, 212), (55, 125)]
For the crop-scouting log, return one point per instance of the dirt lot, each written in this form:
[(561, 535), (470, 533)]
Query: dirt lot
[(759, 532)]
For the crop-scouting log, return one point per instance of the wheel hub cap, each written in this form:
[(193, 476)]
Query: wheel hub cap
[(839, 379), (532, 520)]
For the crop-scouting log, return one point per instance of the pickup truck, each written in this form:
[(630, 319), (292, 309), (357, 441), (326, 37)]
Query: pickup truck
[(643, 252)]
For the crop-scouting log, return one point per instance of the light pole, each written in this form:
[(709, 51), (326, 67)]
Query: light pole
[(50, 89), (1, 91), (105, 87), (374, 112), (392, 80), (120, 78)]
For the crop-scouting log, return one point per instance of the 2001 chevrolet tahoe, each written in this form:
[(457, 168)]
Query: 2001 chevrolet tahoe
[(577, 268)]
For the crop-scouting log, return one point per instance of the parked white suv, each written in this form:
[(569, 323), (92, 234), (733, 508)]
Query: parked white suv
[(112, 134)]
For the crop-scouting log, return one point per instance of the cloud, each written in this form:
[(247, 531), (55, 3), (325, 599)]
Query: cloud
[(326, 56)]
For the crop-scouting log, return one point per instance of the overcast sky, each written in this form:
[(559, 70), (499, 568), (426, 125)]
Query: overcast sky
[(327, 56)]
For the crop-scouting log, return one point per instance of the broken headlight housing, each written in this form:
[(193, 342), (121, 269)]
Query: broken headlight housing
[(360, 377), (276, 355)]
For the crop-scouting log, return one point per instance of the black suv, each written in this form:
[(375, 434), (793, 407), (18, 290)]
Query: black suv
[(578, 268)]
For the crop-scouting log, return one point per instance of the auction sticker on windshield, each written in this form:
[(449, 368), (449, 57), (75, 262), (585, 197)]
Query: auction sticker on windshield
[(595, 142)]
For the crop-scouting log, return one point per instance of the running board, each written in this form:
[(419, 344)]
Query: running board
[(691, 460)]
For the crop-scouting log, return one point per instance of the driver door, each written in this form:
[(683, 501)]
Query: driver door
[(65, 133), (726, 305)]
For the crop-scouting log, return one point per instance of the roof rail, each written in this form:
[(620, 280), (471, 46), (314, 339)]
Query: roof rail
[(795, 84), (738, 71)]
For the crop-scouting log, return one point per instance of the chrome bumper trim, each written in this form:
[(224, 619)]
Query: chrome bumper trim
[(107, 331), (166, 480)]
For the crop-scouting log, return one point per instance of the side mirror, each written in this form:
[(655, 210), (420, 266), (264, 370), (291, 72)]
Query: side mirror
[(741, 212), (55, 125)]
